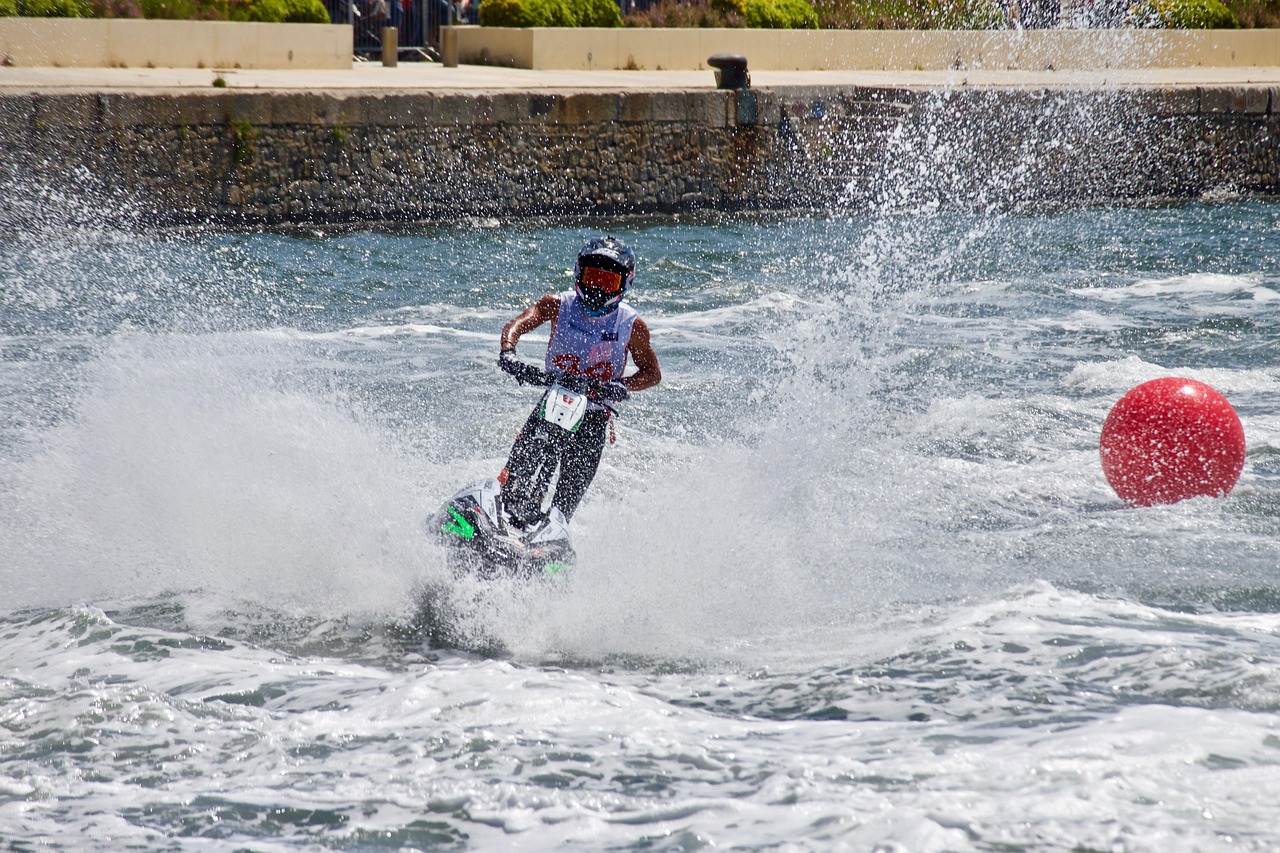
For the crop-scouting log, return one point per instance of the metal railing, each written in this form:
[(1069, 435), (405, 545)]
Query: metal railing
[(417, 24)]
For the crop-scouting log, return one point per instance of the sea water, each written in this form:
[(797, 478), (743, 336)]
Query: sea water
[(849, 578)]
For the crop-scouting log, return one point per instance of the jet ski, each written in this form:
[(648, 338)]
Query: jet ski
[(512, 530), (485, 539)]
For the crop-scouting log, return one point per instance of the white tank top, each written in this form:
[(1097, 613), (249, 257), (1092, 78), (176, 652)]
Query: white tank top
[(590, 346)]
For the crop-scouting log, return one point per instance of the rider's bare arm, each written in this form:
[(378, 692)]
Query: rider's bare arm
[(545, 310), (648, 374)]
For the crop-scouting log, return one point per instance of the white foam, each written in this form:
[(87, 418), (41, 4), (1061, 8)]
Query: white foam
[(1212, 292), (1089, 321), (408, 330), (194, 462), (1122, 374)]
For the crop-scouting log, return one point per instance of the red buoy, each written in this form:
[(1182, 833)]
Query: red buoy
[(1171, 439)]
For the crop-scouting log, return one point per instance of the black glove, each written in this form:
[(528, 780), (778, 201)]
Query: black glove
[(614, 390), (525, 374), (578, 384)]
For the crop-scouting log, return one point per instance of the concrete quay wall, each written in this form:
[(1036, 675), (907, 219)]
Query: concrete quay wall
[(277, 157), (588, 48), (138, 43)]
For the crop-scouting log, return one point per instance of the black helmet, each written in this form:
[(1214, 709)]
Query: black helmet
[(603, 274)]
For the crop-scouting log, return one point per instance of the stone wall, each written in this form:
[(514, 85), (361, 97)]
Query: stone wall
[(275, 158)]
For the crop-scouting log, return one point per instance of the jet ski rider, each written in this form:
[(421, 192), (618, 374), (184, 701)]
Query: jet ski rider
[(593, 331)]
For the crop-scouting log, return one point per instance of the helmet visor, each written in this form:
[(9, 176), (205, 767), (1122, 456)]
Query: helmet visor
[(606, 281)]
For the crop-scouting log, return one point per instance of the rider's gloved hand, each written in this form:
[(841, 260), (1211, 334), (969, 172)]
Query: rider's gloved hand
[(614, 390), (524, 373)]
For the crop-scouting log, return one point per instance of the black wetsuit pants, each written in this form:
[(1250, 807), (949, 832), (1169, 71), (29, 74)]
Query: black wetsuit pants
[(579, 459)]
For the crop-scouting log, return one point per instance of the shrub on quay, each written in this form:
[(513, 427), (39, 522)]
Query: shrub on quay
[(830, 14), (268, 11), (910, 15), (688, 14), (770, 14), (1031, 14), (550, 13), (279, 11), (780, 15), (1187, 14), (45, 8)]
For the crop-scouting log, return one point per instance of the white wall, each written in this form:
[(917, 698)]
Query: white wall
[(132, 43)]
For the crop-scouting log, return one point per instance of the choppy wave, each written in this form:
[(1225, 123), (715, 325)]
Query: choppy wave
[(1045, 718)]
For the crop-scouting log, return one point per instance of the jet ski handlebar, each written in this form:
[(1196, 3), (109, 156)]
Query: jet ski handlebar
[(529, 374)]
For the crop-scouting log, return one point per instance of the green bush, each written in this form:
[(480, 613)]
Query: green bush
[(1193, 14), (780, 15), (964, 15), (52, 9), (738, 7), (515, 13), (114, 9), (554, 13), (910, 14), (549, 13), (184, 10), (600, 13), (275, 11), (271, 11), (306, 12), (503, 13), (688, 14), (267, 11)]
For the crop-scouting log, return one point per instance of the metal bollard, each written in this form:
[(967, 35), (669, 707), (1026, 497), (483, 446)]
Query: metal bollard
[(390, 46), (731, 70), (449, 46)]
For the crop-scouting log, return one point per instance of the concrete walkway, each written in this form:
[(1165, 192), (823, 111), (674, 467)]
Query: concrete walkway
[(410, 76)]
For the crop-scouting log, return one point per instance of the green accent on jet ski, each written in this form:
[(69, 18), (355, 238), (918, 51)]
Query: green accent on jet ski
[(551, 570), (459, 526)]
